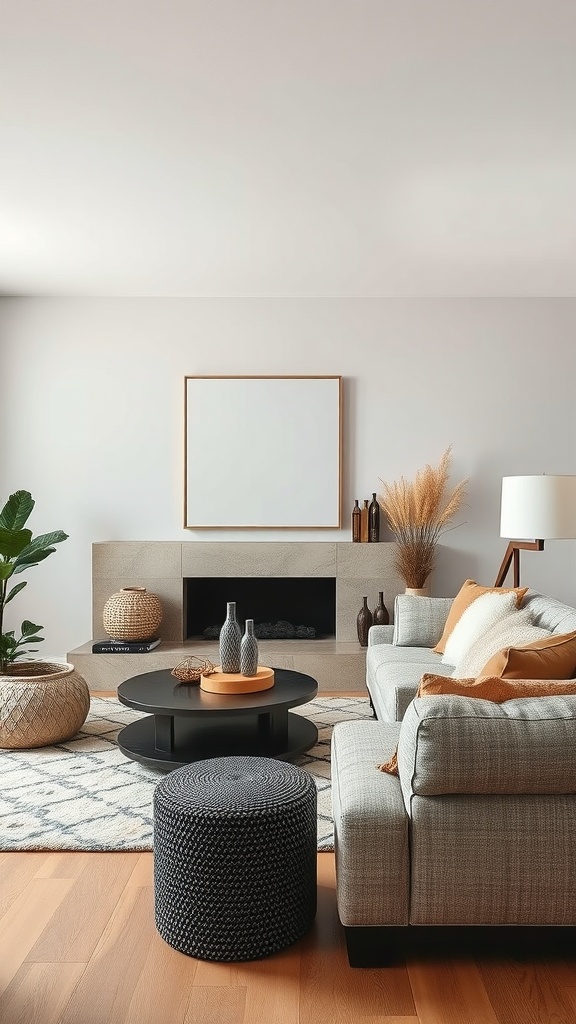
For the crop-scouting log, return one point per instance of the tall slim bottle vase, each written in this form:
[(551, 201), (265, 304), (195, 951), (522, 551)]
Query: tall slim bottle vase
[(249, 651), (363, 623), (230, 640)]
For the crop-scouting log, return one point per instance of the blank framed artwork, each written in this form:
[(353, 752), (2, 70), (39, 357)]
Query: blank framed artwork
[(263, 452)]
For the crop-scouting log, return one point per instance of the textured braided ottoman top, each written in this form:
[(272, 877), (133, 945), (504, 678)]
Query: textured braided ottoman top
[(234, 857)]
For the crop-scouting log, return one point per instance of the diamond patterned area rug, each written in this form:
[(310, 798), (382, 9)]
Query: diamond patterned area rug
[(86, 795)]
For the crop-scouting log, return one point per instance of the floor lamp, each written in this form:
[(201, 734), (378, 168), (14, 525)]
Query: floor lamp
[(543, 507)]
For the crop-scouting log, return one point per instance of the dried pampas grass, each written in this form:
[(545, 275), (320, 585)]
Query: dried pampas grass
[(418, 512)]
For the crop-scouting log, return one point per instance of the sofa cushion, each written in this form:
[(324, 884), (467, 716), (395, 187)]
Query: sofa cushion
[(419, 621), (370, 827), (451, 744), (552, 657), (393, 674), (513, 630), (468, 593), (476, 620)]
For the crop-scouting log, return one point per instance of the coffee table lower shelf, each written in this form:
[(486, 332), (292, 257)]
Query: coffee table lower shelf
[(167, 742)]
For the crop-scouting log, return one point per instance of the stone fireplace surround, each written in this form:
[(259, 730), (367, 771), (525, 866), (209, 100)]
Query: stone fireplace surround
[(162, 566)]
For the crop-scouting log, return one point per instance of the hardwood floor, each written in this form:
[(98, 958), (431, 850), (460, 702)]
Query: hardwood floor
[(78, 946)]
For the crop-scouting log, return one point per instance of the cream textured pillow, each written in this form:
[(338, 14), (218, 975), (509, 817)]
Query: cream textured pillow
[(514, 631), (475, 621), (469, 592)]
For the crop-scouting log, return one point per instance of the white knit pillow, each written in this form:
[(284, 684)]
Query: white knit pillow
[(515, 630), (475, 621)]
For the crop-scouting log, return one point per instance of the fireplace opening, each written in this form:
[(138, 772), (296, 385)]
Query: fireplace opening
[(282, 608)]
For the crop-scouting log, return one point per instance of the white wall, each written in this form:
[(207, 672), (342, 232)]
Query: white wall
[(91, 417)]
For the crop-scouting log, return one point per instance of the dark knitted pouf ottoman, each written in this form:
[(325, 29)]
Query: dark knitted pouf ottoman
[(234, 857)]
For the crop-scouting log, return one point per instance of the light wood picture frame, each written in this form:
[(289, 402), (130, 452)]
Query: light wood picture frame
[(263, 452)]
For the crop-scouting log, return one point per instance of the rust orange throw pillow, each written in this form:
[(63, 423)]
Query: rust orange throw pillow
[(468, 593), (553, 657), (494, 688)]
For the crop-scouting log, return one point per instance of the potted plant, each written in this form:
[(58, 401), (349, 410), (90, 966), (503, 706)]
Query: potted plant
[(41, 702), (418, 513)]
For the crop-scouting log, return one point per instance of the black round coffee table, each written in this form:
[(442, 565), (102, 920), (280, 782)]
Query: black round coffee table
[(186, 723)]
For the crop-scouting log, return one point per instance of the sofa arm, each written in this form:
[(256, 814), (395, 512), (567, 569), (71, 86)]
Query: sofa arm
[(370, 827), (419, 621), (380, 635)]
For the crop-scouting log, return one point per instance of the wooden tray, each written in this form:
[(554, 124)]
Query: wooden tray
[(234, 682)]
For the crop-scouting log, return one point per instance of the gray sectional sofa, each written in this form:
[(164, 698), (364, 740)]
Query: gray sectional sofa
[(479, 826), (398, 655)]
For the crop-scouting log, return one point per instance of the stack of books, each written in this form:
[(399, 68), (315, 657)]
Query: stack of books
[(109, 646)]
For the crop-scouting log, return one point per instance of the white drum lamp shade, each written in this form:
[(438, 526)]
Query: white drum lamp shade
[(538, 507), (542, 507)]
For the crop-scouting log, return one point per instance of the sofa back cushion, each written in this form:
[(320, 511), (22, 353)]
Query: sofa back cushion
[(419, 621), (550, 613), (452, 744)]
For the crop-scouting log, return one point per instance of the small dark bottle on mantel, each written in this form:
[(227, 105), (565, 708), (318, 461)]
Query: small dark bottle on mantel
[(380, 615), (364, 531), (356, 522), (374, 520), (363, 623)]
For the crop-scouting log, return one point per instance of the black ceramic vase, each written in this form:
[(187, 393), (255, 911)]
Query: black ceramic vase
[(363, 623), (380, 615)]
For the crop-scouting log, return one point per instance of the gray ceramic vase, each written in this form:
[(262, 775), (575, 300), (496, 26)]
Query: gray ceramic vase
[(249, 651), (230, 638)]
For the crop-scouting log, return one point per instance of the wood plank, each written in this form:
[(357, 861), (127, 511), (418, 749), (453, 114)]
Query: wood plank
[(25, 920), (163, 988), (63, 865), (78, 923), (16, 871), (449, 992), (272, 987), (105, 991), (330, 988), (143, 871), (526, 992), (213, 1005), (39, 993)]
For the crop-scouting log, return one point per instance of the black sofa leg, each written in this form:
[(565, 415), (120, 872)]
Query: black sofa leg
[(371, 947)]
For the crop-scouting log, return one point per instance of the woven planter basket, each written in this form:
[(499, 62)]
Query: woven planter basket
[(41, 703), (132, 614)]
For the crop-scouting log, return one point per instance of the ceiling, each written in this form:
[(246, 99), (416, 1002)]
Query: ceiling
[(288, 147)]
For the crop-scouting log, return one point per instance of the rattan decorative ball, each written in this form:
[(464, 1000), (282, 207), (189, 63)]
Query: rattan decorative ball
[(190, 670), (41, 703), (132, 614)]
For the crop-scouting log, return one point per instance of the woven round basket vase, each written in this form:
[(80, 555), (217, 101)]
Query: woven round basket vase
[(41, 703), (132, 614)]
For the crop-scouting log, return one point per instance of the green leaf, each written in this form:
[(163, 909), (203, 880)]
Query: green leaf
[(22, 562), (22, 654), (29, 627), (15, 590), (16, 510), (6, 570), (46, 540), (12, 542), (40, 547)]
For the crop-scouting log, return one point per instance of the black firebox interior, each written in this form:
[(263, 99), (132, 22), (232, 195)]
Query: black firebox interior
[(308, 603)]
